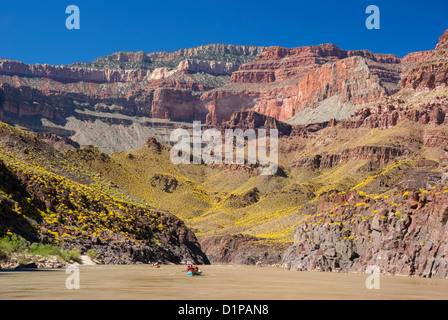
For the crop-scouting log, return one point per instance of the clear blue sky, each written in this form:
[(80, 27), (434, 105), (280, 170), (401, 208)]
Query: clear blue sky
[(34, 31)]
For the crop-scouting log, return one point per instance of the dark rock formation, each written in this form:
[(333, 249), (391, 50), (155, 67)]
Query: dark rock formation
[(378, 154), (404, 234), (130, 234), (253, 120), (242, 249), (391, 111), (62, 144)]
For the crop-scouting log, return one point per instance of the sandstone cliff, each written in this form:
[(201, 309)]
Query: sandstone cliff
[(431, 72), (305, 85), (210, 67), (206, 51), (70, 73), (278, 64), (290, 84)]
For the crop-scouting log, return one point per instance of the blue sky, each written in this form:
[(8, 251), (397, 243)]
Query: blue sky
[(35, 32)]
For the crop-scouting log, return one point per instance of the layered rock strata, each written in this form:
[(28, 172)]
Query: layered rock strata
[(404, 234)]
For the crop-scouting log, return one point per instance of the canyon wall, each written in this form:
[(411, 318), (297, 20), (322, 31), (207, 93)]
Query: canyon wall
[(431, 72), (304, 85), (401, 235)]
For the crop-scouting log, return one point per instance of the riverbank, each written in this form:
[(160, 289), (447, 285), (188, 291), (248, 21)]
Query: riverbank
[(31, 261), (217, 282)]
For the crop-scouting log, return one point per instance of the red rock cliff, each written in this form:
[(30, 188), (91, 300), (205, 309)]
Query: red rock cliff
[(431, 72)]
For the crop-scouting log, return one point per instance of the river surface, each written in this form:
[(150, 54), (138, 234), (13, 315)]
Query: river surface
[(218, 282)]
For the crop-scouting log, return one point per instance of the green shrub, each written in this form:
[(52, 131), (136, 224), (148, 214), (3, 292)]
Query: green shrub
[(44, 250), (72, 255), (18, 245), (13, 244), (92, 254), (3, 254)]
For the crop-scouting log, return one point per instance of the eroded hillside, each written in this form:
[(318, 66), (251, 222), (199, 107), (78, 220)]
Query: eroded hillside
[(47, 197)]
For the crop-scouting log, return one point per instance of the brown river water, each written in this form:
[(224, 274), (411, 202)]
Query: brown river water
[(218, 282)]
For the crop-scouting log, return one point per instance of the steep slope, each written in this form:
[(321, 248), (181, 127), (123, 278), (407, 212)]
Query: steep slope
[(431, 72), (402, 234), (218, 200), (46, 197)]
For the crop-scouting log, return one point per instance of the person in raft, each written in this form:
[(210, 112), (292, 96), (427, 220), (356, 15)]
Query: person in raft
[(191, 268)]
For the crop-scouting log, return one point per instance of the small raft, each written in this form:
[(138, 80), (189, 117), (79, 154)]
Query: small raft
[(194, 273)]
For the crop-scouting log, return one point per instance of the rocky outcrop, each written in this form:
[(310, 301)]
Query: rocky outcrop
[(70, 73), (404, 234), (63, 144), (428, 76), (176, 244), (443, 41), (378, 154), (431, 72), (253, 120), (26, 102), (351, 79), (414, 58), (279, 64), (305, 131), (392, 111), (433, 137), (221, 104), (209, 51), (32, 262), (243, 249), (216, 68), (137, 88), (129, 56)]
